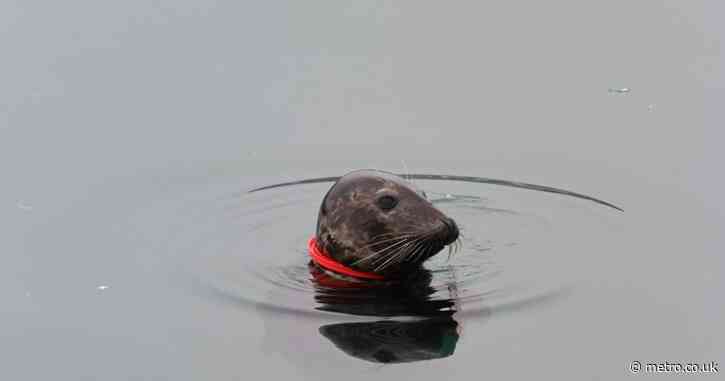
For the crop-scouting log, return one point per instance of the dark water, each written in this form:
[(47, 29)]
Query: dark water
[(131, 133)]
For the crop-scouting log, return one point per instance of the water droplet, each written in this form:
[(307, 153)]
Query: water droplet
[(620, 90), (102, 288)]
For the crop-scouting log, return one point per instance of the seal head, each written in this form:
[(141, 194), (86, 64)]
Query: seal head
[(375, 221)]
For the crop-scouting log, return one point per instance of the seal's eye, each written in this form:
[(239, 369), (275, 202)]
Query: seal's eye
[(387, 202)]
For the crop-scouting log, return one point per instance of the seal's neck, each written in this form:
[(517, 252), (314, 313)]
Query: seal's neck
[(323, 260)]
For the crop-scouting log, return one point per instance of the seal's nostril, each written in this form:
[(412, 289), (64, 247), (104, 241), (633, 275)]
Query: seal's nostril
[(454, 230), (454, 227), (451, 230)]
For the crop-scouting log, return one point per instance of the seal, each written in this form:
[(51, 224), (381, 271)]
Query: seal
[(377, 223)]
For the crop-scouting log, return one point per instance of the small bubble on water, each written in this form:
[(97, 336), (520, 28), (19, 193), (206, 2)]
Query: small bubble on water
[(102, 288), (24, 206), (650, 107), (619, 90)]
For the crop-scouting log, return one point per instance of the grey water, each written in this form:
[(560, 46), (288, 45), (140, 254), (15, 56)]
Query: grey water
[(131, 133)]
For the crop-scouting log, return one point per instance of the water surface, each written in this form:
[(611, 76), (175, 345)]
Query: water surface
[(131, 133)]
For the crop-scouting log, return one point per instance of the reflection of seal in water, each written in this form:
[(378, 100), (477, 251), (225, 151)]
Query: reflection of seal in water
[(429, 331), (390, 341), (377, 222)]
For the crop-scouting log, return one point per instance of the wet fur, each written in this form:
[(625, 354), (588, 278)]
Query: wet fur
[(355, 231)]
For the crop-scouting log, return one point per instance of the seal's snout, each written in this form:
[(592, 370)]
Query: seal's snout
[(450, 231)]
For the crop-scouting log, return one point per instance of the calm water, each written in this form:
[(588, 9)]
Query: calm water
[(130, 134)]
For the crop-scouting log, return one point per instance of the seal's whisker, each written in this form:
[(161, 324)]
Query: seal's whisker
[(427, 246), (403, 254), (385, 242), (391, 258), (411, 253), (402, 241), (424, 247), (388, 240), (418, 249), (391, 238), (394, 253), (405, 237), (390, 234), (379, 252), (394, 233), (421, 251), (389, 250)]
